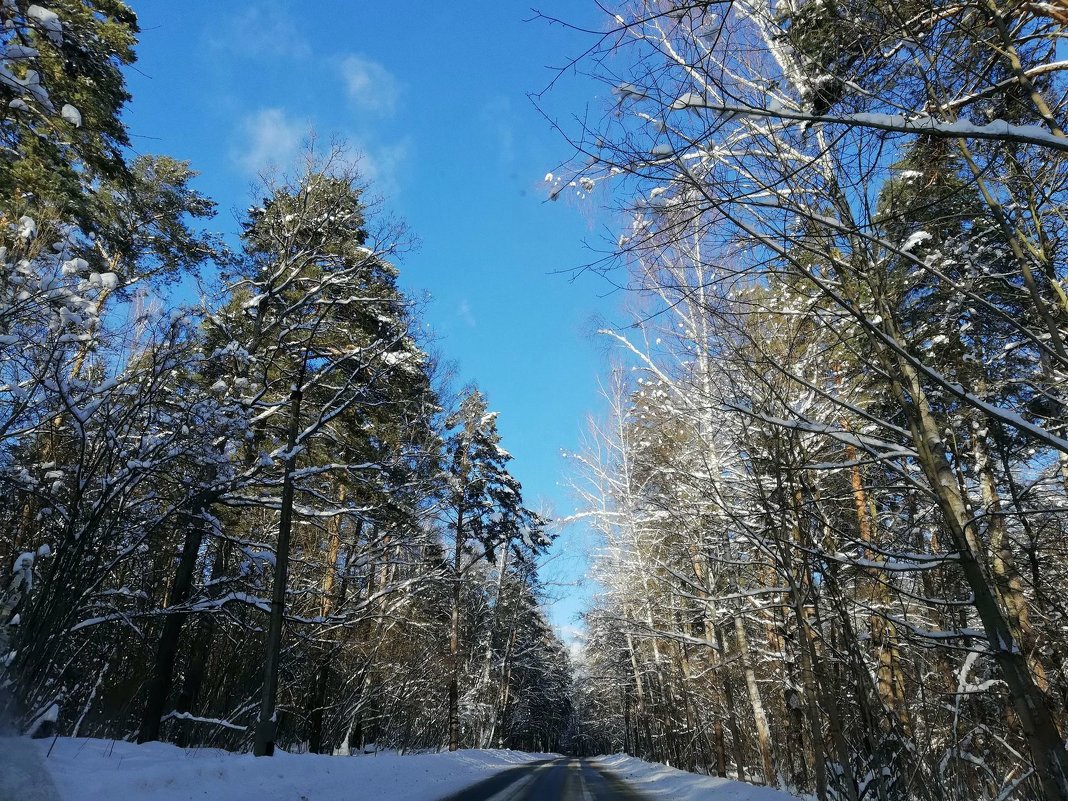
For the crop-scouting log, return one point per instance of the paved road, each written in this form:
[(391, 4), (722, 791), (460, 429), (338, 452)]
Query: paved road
[(553, 780)]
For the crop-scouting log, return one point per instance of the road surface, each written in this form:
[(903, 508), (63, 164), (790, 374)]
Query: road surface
[(552, 780)]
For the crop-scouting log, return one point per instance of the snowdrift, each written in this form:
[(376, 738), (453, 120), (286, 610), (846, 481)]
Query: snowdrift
[(661, 782), (106, 770)]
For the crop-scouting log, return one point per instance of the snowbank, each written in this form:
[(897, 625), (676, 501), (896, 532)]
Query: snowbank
[(660, 781), (103, 770)]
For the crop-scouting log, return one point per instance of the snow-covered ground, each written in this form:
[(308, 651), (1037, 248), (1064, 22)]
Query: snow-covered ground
[(71, 769), (661, 782), (103, 770)]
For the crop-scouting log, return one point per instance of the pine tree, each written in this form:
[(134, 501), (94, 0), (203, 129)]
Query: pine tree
[(62, 91), (485, 511)]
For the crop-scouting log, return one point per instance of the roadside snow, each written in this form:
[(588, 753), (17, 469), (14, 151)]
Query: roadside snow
[(105, 770), (22, 773), (660, 781)]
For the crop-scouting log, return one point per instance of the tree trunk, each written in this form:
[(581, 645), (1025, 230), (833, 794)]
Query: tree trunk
[(834, 719), (326, 606), (487, 733), (1008, 583), (889, 677), (267, 725), (198, 658), (767, 756), (720, 746), (1044, 740), (505, 690), (640, 716), (732, 715), (159, 686), (318, 704), (454, 640)]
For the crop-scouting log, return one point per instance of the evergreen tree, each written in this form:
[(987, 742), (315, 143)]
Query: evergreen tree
[(485, 511), (62, 91)]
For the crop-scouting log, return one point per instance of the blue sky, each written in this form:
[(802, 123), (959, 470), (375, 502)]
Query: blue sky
[(434, 96)]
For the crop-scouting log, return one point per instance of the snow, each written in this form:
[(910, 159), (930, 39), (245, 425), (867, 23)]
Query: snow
[(71, 115), (73, 769), (22, 775), (914, 240), (27, 228), (629, 90), (49, 21), (995, 129), (24, 561), (102, 770), (689, 100), (17, 52), (50, 715), (213, 721), (661, 782), (29, 84), (74, 266)]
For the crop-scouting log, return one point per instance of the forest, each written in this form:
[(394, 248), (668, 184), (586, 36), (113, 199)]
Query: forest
[(827, 484), (259, 518), (833, 476)]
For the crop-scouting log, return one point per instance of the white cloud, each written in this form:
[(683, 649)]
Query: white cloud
[(370, 86), (257, 31), (274, 138), (381, 165), (575, 640), (464, 313), (269, 138)]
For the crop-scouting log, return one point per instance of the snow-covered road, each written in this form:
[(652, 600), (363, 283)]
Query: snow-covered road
[(74, 769)]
